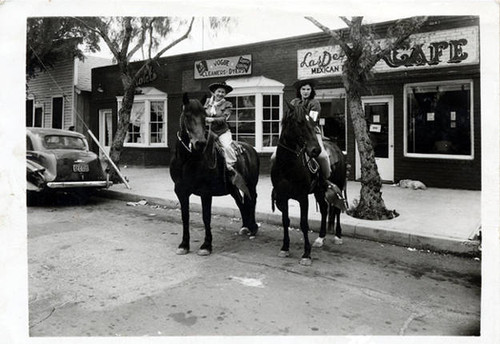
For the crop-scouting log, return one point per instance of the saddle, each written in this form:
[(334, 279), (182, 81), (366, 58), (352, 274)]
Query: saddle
[(234, 175), (333, 194)]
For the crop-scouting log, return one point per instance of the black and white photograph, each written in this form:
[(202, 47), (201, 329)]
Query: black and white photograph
[(250, 171)]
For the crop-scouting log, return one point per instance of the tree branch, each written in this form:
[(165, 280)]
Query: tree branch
[(102, 31), (334, 34), (127, 26), (183, 37), (161, 52), (140, 42), (347, 21), (405, 29)]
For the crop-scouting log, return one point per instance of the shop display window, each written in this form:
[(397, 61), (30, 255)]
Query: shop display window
[(242, 119), (270, 120), (255, 119), (148, 121), (439, 120), (334, 120)]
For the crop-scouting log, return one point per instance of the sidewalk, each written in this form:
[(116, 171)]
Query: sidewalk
[(434, 219)]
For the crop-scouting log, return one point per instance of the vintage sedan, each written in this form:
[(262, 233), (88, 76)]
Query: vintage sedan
[(60, 160)]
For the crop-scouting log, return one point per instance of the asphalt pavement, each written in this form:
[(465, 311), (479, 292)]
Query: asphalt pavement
[(435, 219)]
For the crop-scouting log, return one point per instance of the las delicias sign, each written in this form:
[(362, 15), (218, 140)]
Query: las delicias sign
[(426, 50)]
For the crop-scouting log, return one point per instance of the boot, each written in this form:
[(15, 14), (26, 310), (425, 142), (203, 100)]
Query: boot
[(333, 195), (238, 181)]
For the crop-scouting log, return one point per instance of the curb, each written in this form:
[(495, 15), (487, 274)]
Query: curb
[(349, 228)]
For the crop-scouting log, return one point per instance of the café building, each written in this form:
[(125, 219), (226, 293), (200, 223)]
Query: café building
[(422, 103)]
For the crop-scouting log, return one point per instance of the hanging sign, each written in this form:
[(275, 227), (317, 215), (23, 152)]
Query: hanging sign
[(426, 50), (223, 67)]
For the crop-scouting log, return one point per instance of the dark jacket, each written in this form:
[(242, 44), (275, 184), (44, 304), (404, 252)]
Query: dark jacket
[(310, 105), (223, 111)]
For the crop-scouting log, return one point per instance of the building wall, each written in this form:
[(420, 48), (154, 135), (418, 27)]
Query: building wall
[(278, 60), (56, 82)]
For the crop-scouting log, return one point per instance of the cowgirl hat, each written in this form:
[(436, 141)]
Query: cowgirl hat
[(213, 87), (299, 83)]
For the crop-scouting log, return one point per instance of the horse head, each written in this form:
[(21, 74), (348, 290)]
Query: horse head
[(193, 122), (298, 131)]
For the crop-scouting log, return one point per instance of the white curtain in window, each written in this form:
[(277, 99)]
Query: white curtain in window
[(137, 114)]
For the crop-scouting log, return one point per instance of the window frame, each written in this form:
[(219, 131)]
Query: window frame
[(259, 93), (405, 120), (53, 98), (326, 95), (147, 99)]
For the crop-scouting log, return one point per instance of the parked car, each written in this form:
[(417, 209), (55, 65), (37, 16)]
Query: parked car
[(60, 160)]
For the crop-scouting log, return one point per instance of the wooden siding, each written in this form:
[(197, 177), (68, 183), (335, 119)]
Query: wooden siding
[(57, 82)]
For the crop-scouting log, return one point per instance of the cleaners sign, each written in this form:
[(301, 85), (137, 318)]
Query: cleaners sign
[(426, 50), (223, 67)]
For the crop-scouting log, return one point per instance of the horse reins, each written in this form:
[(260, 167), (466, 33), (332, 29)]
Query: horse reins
[(189, 149)]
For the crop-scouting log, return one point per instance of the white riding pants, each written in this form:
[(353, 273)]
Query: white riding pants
[(225, 140)]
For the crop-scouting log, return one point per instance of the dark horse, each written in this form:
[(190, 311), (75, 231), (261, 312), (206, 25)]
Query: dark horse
[(294, 177), (199, 168)]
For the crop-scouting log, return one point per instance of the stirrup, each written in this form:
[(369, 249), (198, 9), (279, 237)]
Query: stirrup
[(333, 196)]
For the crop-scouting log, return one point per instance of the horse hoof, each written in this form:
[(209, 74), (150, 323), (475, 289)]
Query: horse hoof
[(203, 252), (305, 261), (182, 251), (283, 254), (244, 231), (337, 241), (319, 242)]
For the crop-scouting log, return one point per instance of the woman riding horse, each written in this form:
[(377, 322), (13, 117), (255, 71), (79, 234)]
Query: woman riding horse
[(294, 177), (198, 168)]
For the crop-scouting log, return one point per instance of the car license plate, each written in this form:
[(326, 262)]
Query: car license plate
[(80, 168)]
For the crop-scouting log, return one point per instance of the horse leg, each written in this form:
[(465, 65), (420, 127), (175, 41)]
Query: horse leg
[(184, 202), (285, 248), (304, 226), (338, 230), (247, 211), (206, 205), (249, 220), (323, 208)]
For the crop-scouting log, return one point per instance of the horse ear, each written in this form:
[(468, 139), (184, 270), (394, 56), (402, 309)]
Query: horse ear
[(185, 99), (204, 99)]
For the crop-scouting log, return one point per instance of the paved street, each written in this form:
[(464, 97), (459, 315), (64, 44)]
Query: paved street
[(108, 269)]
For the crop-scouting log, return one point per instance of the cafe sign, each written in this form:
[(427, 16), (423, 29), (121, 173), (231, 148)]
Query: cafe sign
[(223, 67), (425, 50)]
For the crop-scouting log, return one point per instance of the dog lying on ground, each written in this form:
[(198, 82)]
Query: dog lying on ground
[(411, 184)]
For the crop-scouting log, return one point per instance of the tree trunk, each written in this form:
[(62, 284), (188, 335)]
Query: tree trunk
[(123, 124), (371, 206)]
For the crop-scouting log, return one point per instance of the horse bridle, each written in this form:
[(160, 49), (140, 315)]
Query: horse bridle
[(188, 148)]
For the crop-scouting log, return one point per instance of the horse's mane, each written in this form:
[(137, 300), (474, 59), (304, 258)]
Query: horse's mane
[(196, 106), (294, 116)]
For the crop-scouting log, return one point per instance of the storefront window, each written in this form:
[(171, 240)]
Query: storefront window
[(257, 103), (157, 122), (148, 120), (242, 119), (136, 132), (270, 120), (439, 120), (333, 113)]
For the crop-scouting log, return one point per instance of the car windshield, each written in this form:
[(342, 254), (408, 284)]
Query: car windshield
[(64, 142)]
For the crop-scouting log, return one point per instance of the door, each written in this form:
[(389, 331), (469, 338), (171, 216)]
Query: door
[(379, 114), (105, 129)]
